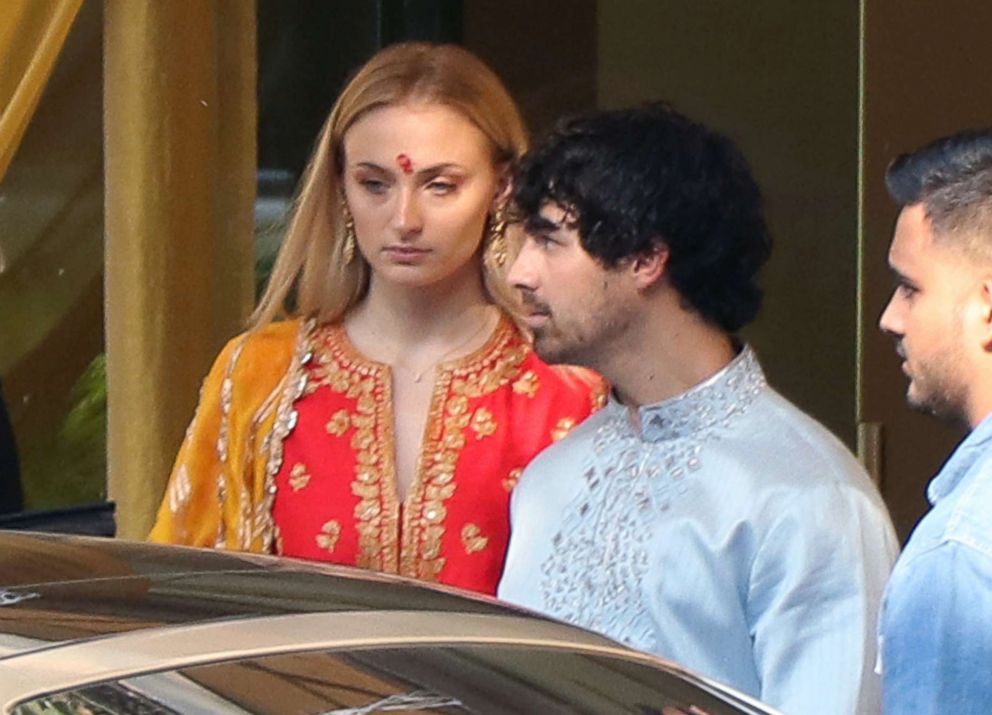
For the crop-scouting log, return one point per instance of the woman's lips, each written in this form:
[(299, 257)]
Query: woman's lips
[(406, 254)]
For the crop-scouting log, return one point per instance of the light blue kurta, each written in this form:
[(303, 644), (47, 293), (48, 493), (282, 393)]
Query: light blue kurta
[(733, 535)]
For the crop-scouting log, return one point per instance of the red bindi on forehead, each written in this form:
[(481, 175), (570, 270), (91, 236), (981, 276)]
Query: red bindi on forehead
[(405, 162)]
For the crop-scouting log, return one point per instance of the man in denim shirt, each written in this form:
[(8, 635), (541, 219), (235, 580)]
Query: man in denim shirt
[(936, 628)]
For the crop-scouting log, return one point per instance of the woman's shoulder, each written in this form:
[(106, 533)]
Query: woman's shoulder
[(260, 353), (573, 375), (573, 378), (564, 380)]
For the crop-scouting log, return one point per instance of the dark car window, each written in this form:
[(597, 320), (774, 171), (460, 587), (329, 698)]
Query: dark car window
[(488, 680)]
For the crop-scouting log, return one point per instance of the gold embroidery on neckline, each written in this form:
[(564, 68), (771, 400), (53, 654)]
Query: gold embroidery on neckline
[(366, 383), (447, 420), (341, 368)]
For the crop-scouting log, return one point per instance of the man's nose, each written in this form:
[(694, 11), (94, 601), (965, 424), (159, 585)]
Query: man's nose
[(521, 274), (889, 322)]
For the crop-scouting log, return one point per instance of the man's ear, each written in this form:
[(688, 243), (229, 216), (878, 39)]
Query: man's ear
[(984, 310), (649, 267)]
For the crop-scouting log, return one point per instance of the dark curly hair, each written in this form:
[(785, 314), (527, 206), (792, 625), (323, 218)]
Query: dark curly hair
[(631, 179)]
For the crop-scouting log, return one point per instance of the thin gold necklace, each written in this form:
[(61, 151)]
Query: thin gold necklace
[(419, 375)]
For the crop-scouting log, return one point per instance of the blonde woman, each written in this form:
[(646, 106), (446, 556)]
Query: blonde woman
[(383, 403)]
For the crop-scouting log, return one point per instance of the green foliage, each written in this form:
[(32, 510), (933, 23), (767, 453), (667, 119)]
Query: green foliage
[(71, 467)]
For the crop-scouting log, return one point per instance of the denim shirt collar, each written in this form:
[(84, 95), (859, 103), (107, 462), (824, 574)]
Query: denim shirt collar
[(713, 402), (973, 447)]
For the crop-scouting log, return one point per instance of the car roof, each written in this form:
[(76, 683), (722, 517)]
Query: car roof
[(40, 673), (74, 610), (58, 589), (35, 673)]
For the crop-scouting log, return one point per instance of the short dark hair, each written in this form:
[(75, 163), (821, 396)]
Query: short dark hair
[(952, 178), (632, 179)]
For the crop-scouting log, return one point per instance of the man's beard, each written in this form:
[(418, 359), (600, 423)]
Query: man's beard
[(589, 345), (554, 349), (935, 392)]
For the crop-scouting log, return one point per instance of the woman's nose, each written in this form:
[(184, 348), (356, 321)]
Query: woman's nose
[(407, 217)]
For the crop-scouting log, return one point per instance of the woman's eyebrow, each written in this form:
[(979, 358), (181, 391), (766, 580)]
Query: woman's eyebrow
[(441, 168), (369, 165), (433, 169)]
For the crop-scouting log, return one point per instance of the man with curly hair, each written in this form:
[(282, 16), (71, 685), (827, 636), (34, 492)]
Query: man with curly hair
[(699, 516)]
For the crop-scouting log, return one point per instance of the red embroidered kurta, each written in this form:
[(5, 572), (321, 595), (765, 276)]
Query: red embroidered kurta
[(292, 449), (490, 414)]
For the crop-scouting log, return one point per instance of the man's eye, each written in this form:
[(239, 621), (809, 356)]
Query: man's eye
[(544, 242), (906, 290)]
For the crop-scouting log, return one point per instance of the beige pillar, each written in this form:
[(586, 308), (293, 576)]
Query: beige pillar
[(180, 118)]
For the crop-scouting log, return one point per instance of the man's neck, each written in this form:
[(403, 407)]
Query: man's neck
[(671, 356)]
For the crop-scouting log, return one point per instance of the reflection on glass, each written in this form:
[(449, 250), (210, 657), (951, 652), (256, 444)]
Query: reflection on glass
[(451, 680)]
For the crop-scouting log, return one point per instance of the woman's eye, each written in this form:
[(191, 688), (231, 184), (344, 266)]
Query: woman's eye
[(440, 187), (373, 186)]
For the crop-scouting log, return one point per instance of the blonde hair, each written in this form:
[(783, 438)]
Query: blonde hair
[(310, 262)]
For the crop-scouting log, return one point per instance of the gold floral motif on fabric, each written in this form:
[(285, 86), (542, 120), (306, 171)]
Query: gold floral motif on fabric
[(371, 441), (329, 534), (326, 358), (299, 477), (473, 540), (483, 423), (339, 423), (511, 480), (562, 428), (527, 384), (449, 417)]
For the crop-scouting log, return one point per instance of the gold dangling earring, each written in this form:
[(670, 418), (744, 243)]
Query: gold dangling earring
[(348, 249), (496, 243)]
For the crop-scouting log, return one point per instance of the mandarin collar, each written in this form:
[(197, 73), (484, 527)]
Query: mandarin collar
[(711, 403)]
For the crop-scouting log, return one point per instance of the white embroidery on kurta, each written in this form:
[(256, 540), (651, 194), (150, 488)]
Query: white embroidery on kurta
[(595, 572)]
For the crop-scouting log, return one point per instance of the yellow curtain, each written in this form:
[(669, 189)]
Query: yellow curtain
[(32, 33)]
